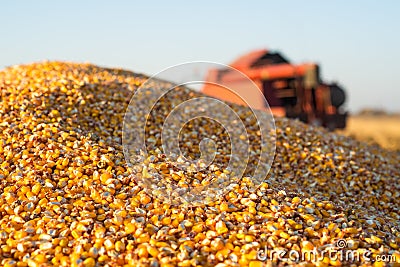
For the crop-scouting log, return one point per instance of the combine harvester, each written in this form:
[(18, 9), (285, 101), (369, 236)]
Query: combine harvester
[(294, 91)]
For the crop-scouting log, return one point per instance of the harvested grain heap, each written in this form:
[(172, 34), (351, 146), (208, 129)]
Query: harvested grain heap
[(67, 198)]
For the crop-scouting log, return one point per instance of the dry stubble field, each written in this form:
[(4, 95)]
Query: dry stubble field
[(381, 129)]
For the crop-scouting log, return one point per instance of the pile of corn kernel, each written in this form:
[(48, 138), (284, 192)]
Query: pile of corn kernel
[(67, 197)]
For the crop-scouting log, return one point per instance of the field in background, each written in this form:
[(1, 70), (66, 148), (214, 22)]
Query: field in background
[(381, 129)]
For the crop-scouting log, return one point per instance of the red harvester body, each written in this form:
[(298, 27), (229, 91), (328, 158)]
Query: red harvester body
[(294, 91)]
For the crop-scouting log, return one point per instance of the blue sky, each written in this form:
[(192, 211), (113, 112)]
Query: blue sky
[(356, 42)]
